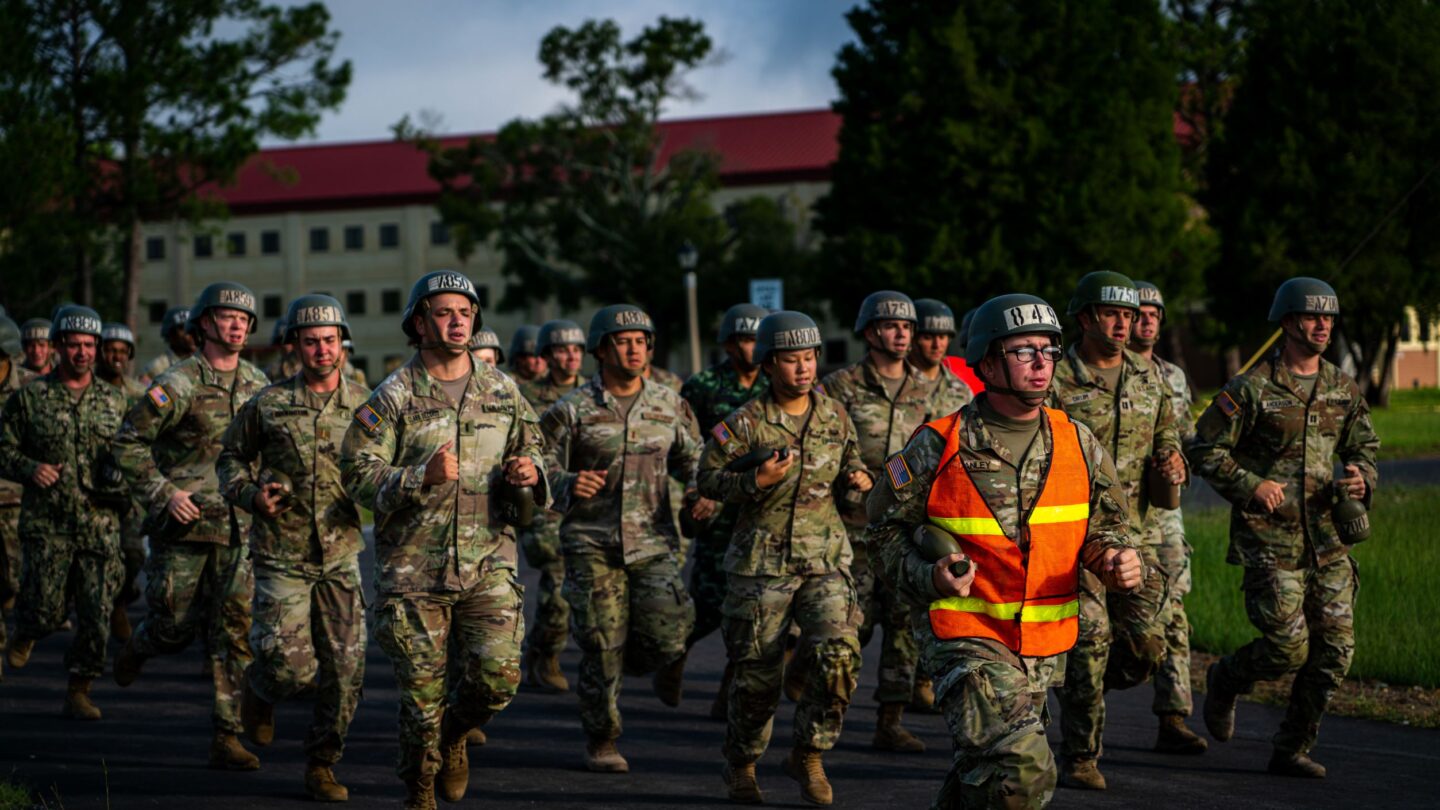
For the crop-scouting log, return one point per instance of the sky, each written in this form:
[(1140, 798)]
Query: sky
[(472, 63)]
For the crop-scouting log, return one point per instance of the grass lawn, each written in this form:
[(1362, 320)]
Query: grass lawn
[(1398, 607), (1409, 428)]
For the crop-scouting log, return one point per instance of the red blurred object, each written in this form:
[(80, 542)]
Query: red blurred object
[(962, 370)]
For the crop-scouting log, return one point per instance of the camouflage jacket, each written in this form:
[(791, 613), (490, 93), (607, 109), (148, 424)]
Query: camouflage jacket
[(542, 392), (896, 510), (283, 367), (585, 431), (43, 423), (1262, 427), (666, 378), (131, 388), (1181, 398), (793, 526), (352, 373), (171, 438), (1133, 423), (10, 491), (716, 392), (951, 393), (883, 426), (437, 538), (295, 431), (159, 365)]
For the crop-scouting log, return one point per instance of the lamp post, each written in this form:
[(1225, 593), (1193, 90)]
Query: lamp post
[(688, 257)]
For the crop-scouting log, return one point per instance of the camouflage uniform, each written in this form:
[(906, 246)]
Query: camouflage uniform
[(622, 576), (285, 366), (993, 700), (1122, 635), (132, 532), (169, 442), (443, 564), (1172, 679), (666, 378), (1299, 580), (714, 394), (541, 543), (160, 364), (70, 530), (951, 393), (309, 614), (10, 493), (883, 428), (789, 561)]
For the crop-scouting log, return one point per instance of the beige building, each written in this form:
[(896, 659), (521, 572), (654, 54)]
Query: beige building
[(1417, 357)]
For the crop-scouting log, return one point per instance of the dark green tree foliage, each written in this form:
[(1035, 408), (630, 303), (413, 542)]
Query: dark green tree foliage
[(991, 147), (1328, 161)]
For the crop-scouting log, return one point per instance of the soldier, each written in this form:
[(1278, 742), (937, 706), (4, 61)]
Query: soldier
[(1173, 702), (55, 434), (1027, 496), (526, 364), (1267, 444), (441, 441), (660, 374), (198, 577), (349, 370), (789, 560), (1126, 404), (887, 398), (562, 344), (609, 446), (179, 344), (117, 352), (286, 363), (714, 394), (12, 377), (485, 347), (35, 339), (305, 541)]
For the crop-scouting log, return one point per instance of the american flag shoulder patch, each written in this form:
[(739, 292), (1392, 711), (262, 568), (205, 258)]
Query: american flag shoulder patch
[(368, 418), (159, 397), (722, 433), (900, 476), (1227, 405)]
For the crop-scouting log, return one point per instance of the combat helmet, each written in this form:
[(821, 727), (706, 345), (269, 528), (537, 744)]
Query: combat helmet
[(1306, 296), (485, 338), (559, 332), (441, 281), (741, 319), (278, 334), (77, 319), (222, 295), (175, 318), (885, 305), (963, 338), (34, 329), (315, 310), (617, 318), (934, 317), (1104, 288), (120, 332), (785, 330), (1004, 316), (10, 338), (1150, 296), (523, 341)]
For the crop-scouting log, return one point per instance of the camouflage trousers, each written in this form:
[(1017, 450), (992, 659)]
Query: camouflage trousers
[(56, 570), (1172, 679), (541, 545), (132, 556), (1306, 620), (202, 589), (708, 579), (996, 714), (629, 619), (309, 620), (414, 630), (898, 651), (10, 564), (1121, 645), (758, 612)]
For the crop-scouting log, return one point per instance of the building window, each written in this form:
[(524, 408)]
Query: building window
[(157, 311), (389, 301), (483, 293), (204, 249), (271, 306), (355, 302), (155, 248), (354, 237), (439, 233), (269, 242), (836, 351), (319, 240), (235, 244), (390, 235)]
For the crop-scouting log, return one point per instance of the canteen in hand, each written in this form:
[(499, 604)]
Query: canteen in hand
[(514, 506), (1350, 518), (935, 544), (287, 487), (753, 459), (1164, 493)]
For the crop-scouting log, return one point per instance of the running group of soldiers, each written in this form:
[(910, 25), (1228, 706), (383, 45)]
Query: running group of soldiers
[(1008, 524)]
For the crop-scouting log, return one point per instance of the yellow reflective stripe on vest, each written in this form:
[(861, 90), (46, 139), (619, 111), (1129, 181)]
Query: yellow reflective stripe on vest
[(972, 525), (1006, 610), (1060, 514)]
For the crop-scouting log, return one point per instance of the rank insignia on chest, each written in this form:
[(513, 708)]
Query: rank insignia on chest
[(1227, 405), (368, 418), (1312, 419), (159, 397), (722, 433), (899, 471)]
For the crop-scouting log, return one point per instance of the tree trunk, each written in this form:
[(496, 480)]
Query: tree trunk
[(1379, 395), (130, 303)]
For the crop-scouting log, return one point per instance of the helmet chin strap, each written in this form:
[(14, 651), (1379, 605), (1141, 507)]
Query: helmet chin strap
[(1106, 341), (878, 346), (1029, 398)]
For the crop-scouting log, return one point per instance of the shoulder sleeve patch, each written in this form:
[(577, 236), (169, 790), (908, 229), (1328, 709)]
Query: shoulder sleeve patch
[(899, 470), (1227, 405), (722, 433), (369, 418), (159, 397)]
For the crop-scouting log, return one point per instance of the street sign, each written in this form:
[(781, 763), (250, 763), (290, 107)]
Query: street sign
[(768, 293)]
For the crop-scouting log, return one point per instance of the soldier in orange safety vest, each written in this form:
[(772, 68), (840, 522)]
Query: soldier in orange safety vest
[(1028, 496)]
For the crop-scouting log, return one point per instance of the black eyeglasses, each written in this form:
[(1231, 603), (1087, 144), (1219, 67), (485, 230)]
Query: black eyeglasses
[(1027, 354)]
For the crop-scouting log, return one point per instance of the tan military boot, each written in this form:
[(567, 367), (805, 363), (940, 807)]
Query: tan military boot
[(127, 664), (543, 672), (257, 715), (320, 783), (1177, 738), (719, 710), (227, 754), (19, 654), (77, 700), (601, 756), (741, 784), (1284, 763), (119, 624), (1083, 774), (670, 682), (476, 736), (804, 766), (923, 700), (454, 776), (1219, 711), (420, 793), (891, 736)]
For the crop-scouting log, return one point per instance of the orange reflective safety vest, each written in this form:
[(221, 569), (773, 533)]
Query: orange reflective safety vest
[(1025, 599)]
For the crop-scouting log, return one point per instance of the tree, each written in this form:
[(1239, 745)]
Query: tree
[(1327, 166), (154, 106), (997, 147)]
